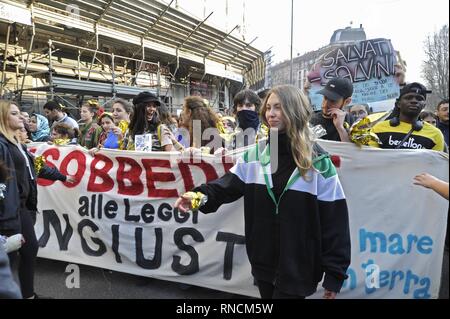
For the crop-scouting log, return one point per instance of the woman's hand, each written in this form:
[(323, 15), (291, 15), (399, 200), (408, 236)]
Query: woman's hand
[(117, 131), (425, 180), (94, 151), (184, 203)]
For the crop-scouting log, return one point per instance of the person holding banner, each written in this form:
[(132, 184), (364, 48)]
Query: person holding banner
[(296, 216), (19, 207), (108, 137), (146, 121), (337, 94)]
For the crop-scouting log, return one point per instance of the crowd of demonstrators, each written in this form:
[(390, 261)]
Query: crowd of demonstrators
[(55, 114), (284, 109), (293, 235)]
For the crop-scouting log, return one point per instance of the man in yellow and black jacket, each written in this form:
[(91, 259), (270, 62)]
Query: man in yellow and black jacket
[(405, 130)]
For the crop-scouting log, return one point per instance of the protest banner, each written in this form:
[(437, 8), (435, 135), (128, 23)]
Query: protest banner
[(369, 65), (120, 216)]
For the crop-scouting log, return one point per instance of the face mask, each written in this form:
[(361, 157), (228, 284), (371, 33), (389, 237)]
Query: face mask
[(247, 118)]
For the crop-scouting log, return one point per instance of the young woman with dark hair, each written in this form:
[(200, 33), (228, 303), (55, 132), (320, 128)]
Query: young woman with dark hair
[(148, 119)]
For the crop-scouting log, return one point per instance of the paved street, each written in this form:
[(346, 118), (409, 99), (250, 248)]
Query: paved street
[(97, 283)]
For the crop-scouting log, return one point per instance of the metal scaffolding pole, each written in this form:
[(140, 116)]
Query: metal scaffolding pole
[(158, 76), (113, 76), (50, 70), (95, 53), (5, 59), (27, 61), (195, 30)]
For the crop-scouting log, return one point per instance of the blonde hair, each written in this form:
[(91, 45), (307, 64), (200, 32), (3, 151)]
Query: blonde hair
[(297, 112), (5, 107)]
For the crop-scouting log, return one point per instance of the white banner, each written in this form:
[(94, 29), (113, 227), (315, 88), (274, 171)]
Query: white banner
[(120, 216)]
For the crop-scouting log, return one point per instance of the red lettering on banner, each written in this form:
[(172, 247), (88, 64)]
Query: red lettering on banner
[(80, 158), (153, 177), (186, 173), (108, 182), (54, 153), (133, 175)]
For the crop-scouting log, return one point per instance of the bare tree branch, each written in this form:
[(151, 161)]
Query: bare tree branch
[(435, 69)]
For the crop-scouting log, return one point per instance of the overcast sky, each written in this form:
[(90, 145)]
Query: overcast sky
[(405, 22)]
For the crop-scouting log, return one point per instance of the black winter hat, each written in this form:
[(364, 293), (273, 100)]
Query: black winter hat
[(146, 97)]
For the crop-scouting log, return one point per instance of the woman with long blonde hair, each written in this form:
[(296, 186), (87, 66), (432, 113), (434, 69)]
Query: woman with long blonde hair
[(18, 208), (15, 215), (296, 217)]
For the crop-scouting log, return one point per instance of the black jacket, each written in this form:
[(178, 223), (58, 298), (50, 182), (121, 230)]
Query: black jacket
[(327, 124), (10, 206), (444, 129), (294, 243)]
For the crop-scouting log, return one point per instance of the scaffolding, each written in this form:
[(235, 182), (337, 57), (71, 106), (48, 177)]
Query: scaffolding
[(118, 48)]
